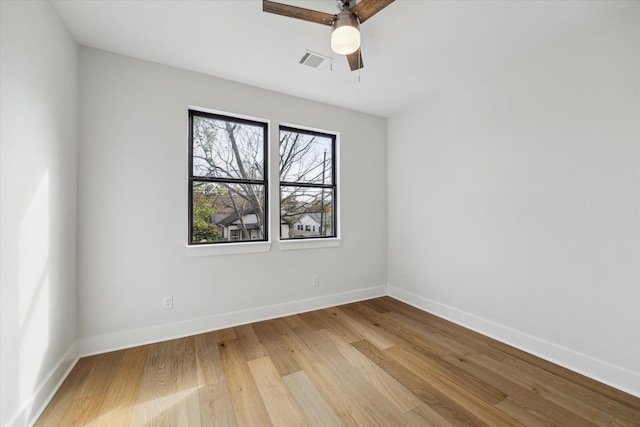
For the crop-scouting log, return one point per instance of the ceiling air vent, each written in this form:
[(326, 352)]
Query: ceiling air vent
[(314, 60)]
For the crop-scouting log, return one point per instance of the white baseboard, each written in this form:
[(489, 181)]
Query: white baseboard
[(131, 338), (32, 409), (604, 372)]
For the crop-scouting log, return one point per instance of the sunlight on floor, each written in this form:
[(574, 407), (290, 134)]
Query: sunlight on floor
[(154, 411)]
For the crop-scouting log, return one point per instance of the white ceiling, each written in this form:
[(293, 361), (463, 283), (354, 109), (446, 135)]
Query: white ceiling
[(411, 49)]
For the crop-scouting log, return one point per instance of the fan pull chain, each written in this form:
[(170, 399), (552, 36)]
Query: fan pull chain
[(360, 65), (331, 61)]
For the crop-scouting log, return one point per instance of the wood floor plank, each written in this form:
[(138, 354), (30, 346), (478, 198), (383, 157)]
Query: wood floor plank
[(294, 321), (574, 377), (281, 406), (471, 402), (423, 414), (332, 320), (102, 371), (430, 336), (522, 412), (314, 407), (345, 403), (590, 406), (352, 381), (249, 342), (520, 398), (572, 395), (371, 320), (83, 411), (216, 409), (154, 397), (363, 330), (313, 320), (473, 375), (185, 410), (397, 328), (375, 305), (215, 402), (393, 391), (441, 364), (438, 353), (168, 392), (434, 323), (431, 343), (448, 408), (68, 391), (373, 363), (210, 369), (276, 348), (245, 397), (225, 334), (618, 422), (120, 398)]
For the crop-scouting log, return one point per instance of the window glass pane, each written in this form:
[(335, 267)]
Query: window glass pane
[(305, 158), (227, 212), (227, 149), (302, 209)]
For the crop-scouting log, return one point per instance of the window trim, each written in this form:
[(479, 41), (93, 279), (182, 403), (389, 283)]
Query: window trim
[(232, 248), (224, 246), (310, 243), (319, 241)]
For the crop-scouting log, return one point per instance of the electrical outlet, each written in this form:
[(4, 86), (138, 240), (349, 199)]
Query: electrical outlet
[(167, 302), (315, 281), (405, 277)]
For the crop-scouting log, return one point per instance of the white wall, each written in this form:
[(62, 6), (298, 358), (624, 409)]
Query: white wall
[(523, 189), (38, 113), (133, 209)]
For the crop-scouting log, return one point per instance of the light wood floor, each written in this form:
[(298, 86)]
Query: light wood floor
[(373, 363)]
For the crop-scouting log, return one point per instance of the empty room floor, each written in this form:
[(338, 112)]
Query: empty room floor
[(372, 363)]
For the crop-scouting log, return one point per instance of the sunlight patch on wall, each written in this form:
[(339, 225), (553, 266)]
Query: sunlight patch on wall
[(34, 303)]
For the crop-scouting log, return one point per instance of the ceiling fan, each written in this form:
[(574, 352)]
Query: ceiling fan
[(345, 37)]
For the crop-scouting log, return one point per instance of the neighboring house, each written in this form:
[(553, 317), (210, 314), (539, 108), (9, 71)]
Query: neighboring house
[(306, 225), (234, 227)]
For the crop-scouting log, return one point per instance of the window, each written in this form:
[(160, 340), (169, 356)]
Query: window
[(308, 190), (228, 184)]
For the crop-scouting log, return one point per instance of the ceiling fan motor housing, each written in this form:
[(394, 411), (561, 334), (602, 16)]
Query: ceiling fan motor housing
[(345, 37)]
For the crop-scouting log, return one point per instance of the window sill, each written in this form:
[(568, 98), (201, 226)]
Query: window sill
[(228, 249), (289, 245)]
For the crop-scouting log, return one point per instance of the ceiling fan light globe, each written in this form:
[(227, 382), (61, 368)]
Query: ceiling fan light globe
[(345, 40)]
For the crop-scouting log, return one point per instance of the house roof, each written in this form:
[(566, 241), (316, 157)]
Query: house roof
[(231, 218)]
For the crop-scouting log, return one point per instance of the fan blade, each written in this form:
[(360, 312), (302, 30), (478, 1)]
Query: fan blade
[(367, 8), (355, 60), (297, 12)]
